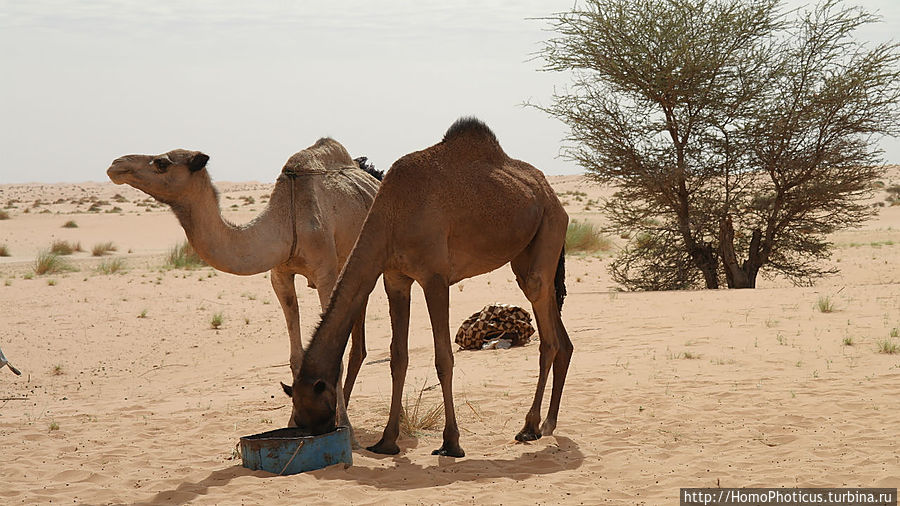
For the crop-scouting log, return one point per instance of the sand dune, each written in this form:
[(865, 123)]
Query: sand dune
[(129, 396)]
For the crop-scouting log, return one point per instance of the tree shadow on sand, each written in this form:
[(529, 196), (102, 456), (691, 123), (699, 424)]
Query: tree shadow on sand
[(405, 475)]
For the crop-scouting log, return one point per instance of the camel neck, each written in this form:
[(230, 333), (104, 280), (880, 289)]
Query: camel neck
[(255, 247), (322, 358)]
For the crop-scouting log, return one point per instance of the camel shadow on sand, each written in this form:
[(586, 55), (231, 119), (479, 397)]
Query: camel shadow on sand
[(565, 455), (404, 474)]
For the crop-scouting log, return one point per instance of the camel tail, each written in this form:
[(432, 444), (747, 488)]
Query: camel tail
[(364, 164), (560, 281)]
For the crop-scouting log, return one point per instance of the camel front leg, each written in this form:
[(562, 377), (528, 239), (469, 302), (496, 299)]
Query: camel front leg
[(283, 284), (397, 288), (437, 297), (357, 354)]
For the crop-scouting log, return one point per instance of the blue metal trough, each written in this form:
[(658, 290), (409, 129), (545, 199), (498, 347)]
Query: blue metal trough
[(289, 451)]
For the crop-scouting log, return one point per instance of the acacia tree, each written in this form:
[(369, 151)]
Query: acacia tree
[(738, 136)]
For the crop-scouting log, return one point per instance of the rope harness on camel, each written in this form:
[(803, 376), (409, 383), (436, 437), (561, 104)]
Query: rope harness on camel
[(292, 173)]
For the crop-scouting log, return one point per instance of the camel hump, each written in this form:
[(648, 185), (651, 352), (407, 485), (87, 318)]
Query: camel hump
[(469, 126), (325, 154)]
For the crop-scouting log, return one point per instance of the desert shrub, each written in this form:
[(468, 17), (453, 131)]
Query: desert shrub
[(183, 256), (70, 224), (103, 248), (48, 262), (217, 320), (583, 236), (4, 215), (4, 251)]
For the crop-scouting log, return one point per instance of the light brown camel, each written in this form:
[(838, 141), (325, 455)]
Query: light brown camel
[(452, 211), (310, 225)]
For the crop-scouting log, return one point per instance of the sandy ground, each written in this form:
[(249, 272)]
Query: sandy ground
[(129, 396)]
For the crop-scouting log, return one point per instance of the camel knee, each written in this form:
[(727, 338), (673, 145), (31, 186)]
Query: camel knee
[(444, 368), (357, 350), (399, 363), (566, 348), (550, 346)]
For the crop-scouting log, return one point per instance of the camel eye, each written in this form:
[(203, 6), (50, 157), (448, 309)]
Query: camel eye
[(162, 164)]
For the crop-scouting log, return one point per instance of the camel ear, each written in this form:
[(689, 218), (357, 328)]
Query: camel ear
[(319, 387), (289, 390), (198, 161)]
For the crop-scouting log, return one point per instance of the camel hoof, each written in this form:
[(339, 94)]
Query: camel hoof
[(528, 435), (449, 452), (547, 428), (384, 448)]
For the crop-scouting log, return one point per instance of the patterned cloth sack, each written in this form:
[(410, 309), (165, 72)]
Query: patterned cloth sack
[(495, 321)]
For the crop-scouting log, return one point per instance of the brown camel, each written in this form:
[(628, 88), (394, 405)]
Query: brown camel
[(455, 210), (314, 214)]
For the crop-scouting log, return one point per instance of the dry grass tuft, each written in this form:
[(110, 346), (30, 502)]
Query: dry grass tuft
[(183, 256), (888, 347), (4, 215), (70, 224), (414, 418), (48, 262), (217, 320), (111, 266), (825, 304), (65, 247), (104, 248), (583, 237), (4, 251)]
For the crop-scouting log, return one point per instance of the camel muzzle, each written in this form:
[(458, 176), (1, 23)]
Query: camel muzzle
[(116, 174)]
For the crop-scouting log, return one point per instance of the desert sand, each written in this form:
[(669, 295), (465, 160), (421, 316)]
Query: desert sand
[(128, 395)]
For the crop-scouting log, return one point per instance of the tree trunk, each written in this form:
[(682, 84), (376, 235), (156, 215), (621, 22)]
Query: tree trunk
[(705, 258), (738, 275)]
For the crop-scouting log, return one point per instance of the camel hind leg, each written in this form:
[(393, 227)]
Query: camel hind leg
[(560, 369), (536, 273)]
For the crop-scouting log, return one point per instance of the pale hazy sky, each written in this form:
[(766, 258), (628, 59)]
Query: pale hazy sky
[(250, 83)]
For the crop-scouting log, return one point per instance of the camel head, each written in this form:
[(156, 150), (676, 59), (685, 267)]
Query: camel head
[(166, 177), (314, 405)]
